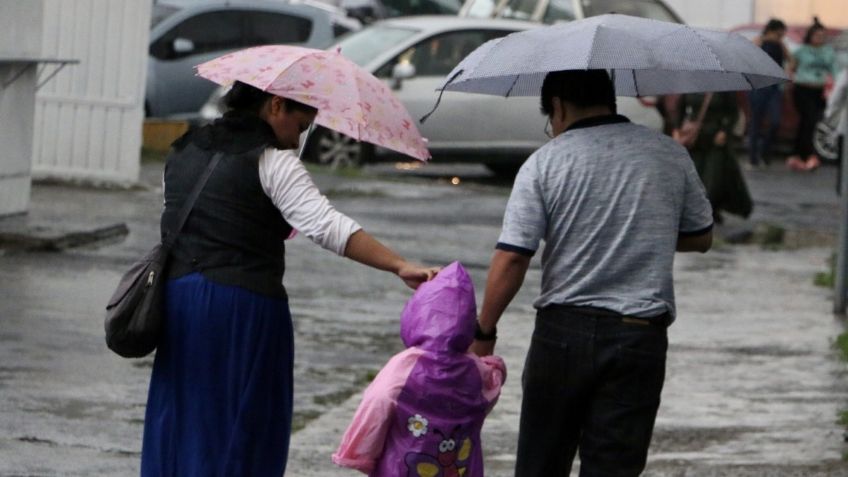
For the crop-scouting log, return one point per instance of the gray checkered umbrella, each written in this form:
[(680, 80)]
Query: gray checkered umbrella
[(646, 57)]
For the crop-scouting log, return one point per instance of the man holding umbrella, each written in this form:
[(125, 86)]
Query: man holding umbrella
[(613, 201)]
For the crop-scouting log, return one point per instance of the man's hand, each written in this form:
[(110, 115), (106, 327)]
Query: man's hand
[(482, 348), (720, 138)]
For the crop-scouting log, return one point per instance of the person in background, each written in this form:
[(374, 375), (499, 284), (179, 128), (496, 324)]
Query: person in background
[(711, 151), (766, 102), (814, 64), (613, 201)]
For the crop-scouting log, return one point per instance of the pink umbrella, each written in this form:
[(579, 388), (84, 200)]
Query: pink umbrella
[(349, 99)]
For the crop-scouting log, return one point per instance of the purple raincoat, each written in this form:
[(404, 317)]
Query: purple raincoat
[(422, 414)]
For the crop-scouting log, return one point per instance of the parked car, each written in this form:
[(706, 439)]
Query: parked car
[(183, 36), (414, 54), (551, 11), (793, 39)]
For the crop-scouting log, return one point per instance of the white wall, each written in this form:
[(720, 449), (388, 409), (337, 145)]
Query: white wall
[(832, 13), (718, 14), (88, 118)]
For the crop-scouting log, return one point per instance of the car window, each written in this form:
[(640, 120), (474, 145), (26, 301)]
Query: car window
[(268, 28), (397, 8), (637, 8), (364, 46), (520, 9), (437, 55), (209, 32), (340, 30), (559, 11)]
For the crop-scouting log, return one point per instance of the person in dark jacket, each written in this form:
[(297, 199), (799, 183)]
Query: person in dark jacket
[(766, 102), (713, 157), (220, 398)]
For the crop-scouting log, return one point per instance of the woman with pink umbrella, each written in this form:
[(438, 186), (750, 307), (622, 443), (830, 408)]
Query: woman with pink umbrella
[(220, 398)]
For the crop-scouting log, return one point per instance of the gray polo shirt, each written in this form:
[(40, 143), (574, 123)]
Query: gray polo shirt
[(609, 198)]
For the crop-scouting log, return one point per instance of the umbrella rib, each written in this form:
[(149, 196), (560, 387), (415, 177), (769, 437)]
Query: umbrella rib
[(635, 83), (509, 91), (697, 34)]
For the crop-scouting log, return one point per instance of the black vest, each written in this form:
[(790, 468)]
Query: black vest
[(234, 234)]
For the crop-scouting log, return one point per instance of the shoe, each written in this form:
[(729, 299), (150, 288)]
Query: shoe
[(794, 163), (813, 163)]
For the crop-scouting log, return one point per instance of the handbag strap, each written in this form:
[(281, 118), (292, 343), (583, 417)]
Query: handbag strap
[(704, 106), (170, 238)]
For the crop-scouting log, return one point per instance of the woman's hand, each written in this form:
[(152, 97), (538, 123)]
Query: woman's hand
[(720, 138), (415, 275)]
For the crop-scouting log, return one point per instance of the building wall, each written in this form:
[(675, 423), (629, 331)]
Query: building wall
[(718, 14), (20, 38), (88, 118), (832, 13)]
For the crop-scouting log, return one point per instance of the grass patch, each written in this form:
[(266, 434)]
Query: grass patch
[(826, 279), (770, 236), (841, 345)]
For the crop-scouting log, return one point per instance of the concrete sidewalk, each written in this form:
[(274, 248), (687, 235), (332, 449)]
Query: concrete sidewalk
[(753, 386)]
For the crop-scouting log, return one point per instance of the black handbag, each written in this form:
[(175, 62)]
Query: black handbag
[(135, 315)]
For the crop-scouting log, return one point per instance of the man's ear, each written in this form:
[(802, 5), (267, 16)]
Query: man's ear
[(558, 108)]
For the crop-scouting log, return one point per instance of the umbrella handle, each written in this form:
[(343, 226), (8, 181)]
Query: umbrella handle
[(439, 99), (305, 140)]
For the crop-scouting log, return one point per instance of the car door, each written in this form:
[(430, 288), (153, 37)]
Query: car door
[(463, 123), (173, 56)]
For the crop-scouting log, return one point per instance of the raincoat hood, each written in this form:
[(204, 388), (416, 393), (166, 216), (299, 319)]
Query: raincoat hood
[(441, 315)]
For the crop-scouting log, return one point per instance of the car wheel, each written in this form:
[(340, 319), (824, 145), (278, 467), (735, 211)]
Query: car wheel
[(334, 149)]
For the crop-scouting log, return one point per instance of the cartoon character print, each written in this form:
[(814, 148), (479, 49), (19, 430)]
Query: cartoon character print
[(451, 459)]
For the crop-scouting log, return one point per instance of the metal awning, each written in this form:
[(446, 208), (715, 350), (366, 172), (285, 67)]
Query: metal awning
[(43, 64)]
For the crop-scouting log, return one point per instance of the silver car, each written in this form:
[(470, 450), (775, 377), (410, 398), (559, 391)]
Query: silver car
[(184, 35), (414, 54)]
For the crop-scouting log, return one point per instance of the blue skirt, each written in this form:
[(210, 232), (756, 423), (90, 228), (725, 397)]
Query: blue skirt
[(220, 399)]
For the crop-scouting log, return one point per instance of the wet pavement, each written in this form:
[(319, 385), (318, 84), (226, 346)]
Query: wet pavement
[(753, 386)]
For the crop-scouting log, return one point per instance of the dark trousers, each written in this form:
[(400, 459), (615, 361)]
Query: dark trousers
[(765, 104), (810, 104), (592, 381)]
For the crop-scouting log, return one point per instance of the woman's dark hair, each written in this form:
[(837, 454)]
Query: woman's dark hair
[(245, 98), (816, 26), (774, 25), (582, 88)]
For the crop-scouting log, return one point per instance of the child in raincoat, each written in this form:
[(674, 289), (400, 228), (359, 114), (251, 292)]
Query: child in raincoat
[(422, 414)]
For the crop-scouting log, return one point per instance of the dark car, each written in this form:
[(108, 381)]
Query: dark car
[(182, 37)]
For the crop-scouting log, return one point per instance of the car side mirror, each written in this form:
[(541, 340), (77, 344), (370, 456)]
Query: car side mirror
[(182, 46), (402, 71)]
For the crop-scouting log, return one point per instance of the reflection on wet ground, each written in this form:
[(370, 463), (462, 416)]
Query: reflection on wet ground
[(742, 389)]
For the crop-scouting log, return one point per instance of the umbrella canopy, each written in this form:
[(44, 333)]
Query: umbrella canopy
[(349, 99), (646, 57)]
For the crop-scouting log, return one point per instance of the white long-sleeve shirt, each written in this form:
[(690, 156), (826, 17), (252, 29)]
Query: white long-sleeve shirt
[(288, 184)]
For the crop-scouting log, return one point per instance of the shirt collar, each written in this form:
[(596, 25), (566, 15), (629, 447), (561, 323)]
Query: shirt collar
[(597, 121)]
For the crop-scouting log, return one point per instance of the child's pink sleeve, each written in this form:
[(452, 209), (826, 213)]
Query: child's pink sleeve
[(493, 372), (363, 441)]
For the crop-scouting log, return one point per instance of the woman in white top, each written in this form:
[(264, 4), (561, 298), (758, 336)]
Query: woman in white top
[(220, 399)]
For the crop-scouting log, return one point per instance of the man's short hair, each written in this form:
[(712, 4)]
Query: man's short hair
[(582, 88)]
